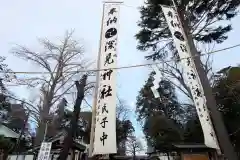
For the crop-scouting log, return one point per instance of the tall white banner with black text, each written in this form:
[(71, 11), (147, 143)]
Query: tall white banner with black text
[(191, 75), (105, 131)]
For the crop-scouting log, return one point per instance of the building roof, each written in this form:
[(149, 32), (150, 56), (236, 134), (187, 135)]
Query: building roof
[(7, 132), (182, 147), (190, 146)]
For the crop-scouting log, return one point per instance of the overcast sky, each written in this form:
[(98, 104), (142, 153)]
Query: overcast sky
[(22, 22)]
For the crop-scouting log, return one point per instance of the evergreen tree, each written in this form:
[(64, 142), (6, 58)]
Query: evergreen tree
[(201, 16), (161, 118)]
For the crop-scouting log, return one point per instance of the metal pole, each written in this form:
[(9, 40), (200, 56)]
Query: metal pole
[(218, 124), (96, 92)]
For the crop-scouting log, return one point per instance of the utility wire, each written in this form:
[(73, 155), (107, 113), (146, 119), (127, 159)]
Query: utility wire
[(130, 66)]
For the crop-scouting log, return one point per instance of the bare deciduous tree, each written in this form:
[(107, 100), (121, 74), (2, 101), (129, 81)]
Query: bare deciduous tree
[(134, 145), (123, 110), (60, 62), (173, 72)]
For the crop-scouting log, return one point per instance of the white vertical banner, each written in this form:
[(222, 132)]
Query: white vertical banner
[(44, 151), (105, 129), (191, 75)]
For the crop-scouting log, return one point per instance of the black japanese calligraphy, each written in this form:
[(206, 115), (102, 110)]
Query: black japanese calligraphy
[(204, 107), (175, 24), (188, 61), (173, 15), (110, 45), (201, 115), (103, 138), (104, 108), (103, 122), (108, 59), (207, 118), (211, 134), (170, 14), (183, 48), (191, 75), (110, 32), (111, 20), (197, 92), (179, 36), (197, 103), (97, 114), (112, 11), (199, 109), (106, 74), (106, 91)]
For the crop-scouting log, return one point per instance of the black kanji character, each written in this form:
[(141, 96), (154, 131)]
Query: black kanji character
[(177, 18), (179, 35), (110, 32), (174, 24), (207, 119), (105, 92), (111, 20), (108, 59), (193, 76), (107, 74), (103, 122), (199, 109), (97, 113), (211, 134), (201, 115), (198, 93), (204, 107), (113, 10), (183, 48), (188, 61), (110, 45), (103, 138), (104, 108), (170, 14)]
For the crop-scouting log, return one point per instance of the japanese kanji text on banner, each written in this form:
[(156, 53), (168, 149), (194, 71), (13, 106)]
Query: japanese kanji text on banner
[(105, 130), (44, 151), (191, 75)]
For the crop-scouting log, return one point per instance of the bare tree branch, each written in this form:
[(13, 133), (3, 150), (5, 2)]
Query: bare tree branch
[(62, 61)]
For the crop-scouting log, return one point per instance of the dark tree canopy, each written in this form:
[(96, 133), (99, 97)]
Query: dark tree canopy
[(147, 105), (201, 16), (226, 88), (227, 92), (193, 131), (160, 118)]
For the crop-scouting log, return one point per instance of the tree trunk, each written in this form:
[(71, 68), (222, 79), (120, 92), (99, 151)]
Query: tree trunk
[(40, 134), (134, 153), (68, 141)]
